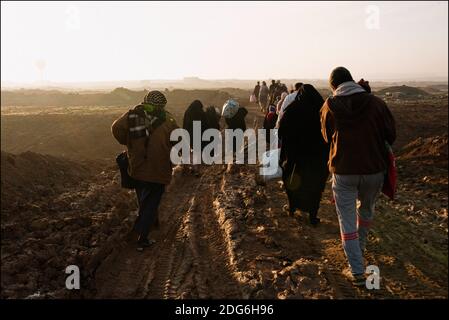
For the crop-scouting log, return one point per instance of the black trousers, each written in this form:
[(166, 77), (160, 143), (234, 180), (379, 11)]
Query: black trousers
[(149, 196)]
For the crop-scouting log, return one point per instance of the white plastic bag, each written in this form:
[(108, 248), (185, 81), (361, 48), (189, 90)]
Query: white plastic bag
[(253, 98), (270, 169), (230, 108)]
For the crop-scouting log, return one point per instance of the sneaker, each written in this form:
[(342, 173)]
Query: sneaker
[(357, 280)]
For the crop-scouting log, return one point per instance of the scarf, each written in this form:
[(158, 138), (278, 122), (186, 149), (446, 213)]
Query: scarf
[(348, 88), (154, 112)]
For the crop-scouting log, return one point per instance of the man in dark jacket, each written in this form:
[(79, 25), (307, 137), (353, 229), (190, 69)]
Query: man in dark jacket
[(357, 125), (256, 91), (272, 90)]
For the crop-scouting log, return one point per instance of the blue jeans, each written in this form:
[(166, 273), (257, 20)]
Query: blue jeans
[(149, 196)]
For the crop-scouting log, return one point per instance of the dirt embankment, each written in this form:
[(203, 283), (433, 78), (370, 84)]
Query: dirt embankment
[(118, 97), (56, 213)]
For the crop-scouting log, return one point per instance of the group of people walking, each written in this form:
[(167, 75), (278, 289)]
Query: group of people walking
[(266, 96), (344, 135), (347, 136)]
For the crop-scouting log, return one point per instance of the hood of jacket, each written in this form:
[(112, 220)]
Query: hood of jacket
[(350, 108)]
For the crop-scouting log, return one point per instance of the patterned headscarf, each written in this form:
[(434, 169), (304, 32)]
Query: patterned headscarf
[(155, 98)]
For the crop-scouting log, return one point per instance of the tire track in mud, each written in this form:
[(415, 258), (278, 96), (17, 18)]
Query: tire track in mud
[(210, 249), (198, 263), (122, 274), (189, 259)]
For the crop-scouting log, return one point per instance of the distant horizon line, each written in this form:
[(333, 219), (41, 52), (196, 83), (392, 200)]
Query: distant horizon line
[(193, 78)]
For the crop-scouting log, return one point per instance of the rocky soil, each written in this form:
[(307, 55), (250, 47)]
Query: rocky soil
[(221, 234)]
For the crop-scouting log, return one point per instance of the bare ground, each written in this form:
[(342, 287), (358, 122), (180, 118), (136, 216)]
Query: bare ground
[(221, 235)]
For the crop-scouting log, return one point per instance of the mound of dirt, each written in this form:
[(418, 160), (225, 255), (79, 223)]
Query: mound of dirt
[(436, 88), (28, 176), (432, 148), (403, 91), (117, 97), (57, 213)]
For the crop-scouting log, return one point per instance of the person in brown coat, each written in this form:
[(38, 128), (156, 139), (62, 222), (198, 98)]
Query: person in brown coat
[(358, 125), (145, 130)]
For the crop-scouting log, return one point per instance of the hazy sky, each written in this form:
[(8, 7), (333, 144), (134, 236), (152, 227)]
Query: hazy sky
[(72, 41)]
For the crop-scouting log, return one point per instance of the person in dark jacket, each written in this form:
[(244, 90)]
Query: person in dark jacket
[(212, 118), (358, 125), (256, 91), (237, 121), (269, 122), (304, 153), (270, 118), (271, 91), (195, 112), (234, 115)]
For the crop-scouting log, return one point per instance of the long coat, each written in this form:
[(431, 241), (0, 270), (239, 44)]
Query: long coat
[(304, 153)]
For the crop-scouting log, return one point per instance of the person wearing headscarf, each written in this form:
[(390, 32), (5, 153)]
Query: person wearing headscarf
[(195, 112), (237, 121), (145, 131), (281, 101), (269, 122), (304, 153), (234, 115), (286, 102), (212, 118)]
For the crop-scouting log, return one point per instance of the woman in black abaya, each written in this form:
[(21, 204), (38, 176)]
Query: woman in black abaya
[(304, 153)]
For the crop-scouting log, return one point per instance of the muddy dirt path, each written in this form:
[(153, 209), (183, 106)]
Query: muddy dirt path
[(224, 236), (410, 255), (189, 259)]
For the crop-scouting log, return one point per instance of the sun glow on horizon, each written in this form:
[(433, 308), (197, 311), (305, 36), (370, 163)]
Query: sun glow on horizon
[(71, 41)]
